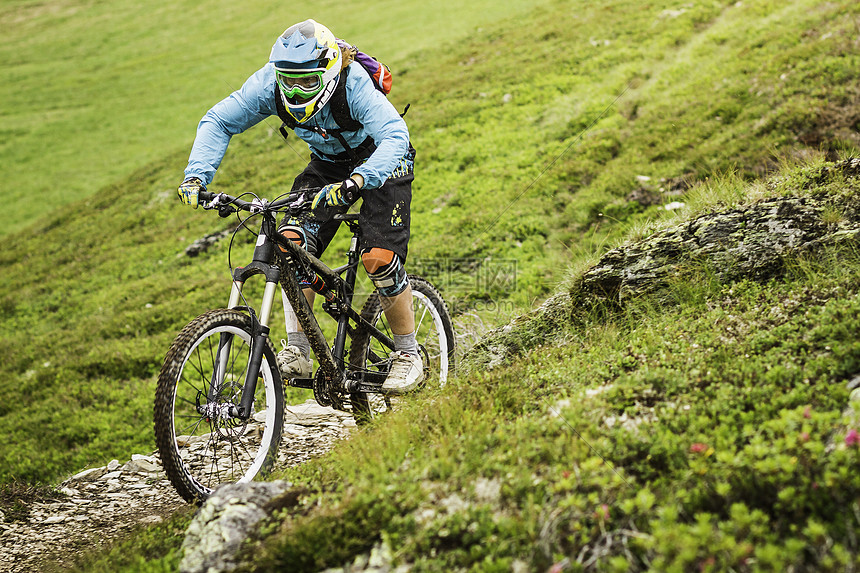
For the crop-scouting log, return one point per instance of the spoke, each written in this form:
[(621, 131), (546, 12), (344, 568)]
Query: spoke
[(384, 322), (213, 362), (233, 361), (213, 440), (241, 446), (431, 343), (189, 402), (199, 365), (192, 432), (421, 320), (189, 417), (375, 359), (382, 325), (230, 447), (185, 378)]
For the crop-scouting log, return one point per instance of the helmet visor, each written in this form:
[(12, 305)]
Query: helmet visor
[(300, 86)]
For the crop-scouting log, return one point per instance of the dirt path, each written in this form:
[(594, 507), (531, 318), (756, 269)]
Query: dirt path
[(99, 505)]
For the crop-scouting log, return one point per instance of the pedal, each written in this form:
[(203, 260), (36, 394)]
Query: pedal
[(306, 383)]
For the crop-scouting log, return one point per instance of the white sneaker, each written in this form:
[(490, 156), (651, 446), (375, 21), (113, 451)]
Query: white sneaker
[(292, 363), (406, 373)]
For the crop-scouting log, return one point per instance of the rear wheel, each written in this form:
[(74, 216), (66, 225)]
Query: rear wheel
[(201, 442), (433, 332)]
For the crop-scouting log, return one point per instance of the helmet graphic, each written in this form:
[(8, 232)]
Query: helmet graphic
[(307, 64)]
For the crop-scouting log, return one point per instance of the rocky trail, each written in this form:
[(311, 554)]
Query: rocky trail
[(99, 505)]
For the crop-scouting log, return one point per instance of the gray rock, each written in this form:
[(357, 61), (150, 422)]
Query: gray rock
[(225, 520), (381, 557), (88, 475), (311, 414), (202, 244), (141, 466), (747, 242)]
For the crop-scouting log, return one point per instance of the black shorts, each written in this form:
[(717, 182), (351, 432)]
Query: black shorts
[(384, 215)]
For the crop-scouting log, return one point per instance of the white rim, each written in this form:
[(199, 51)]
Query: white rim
[(262, 452), (440, 330)]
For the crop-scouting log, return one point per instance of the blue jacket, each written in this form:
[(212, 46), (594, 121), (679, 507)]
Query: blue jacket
[(255, 101)]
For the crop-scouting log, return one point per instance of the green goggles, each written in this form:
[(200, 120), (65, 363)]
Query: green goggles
[(302, 85)]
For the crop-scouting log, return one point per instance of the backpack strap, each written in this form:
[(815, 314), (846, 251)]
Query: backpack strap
[(340, 106)]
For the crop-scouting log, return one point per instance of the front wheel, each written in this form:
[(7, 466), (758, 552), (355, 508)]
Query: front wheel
[(434, 333), (201, 441)]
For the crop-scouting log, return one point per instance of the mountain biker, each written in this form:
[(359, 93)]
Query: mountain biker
[(305, 69)]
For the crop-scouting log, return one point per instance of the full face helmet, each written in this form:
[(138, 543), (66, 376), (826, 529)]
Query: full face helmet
[(307, 64)]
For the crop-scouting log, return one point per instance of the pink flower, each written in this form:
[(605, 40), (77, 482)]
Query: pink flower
[(602, 512), (698, 448), (807, 412), (804, 436), (852, 438)]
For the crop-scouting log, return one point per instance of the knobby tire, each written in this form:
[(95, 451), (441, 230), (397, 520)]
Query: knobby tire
[(199, 450)]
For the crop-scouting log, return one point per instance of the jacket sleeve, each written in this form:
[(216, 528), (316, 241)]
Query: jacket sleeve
[(241, 110), (381, 122)]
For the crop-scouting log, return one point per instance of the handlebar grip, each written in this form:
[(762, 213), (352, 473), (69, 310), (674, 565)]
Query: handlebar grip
[(205, 196)]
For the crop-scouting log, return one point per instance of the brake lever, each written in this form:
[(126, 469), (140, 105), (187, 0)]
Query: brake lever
[(301, 199), (302, 204), (225, 209), (212, 203)]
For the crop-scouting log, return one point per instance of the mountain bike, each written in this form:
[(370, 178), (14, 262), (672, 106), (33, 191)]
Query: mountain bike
[(219, 404)]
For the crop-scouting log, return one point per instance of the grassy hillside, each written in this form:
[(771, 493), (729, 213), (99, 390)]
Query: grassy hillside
[(85, 370), (544, 137), (527, 155), (708, 428), (91, 91), (704, 434)]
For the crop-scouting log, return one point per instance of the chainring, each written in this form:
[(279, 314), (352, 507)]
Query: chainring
[(324, 394), (320, 389)]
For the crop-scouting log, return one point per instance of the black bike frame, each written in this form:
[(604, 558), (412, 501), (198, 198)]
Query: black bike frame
[(338, 292)]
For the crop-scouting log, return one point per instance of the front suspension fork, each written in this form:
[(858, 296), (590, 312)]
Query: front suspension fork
[(260, 333)]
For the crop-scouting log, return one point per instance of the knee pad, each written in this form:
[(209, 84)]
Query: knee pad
[(385, 270), (294, 233)]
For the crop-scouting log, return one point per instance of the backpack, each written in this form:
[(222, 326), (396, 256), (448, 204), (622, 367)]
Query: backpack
[(381, 77), (378, 72)]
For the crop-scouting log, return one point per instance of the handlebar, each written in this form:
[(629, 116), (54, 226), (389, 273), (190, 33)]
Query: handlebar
[(227, 204)]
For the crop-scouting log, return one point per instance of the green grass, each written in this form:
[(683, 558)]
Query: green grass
[(541, 178), (537, 126), (92, 91), (707, 434), (704, 433)]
